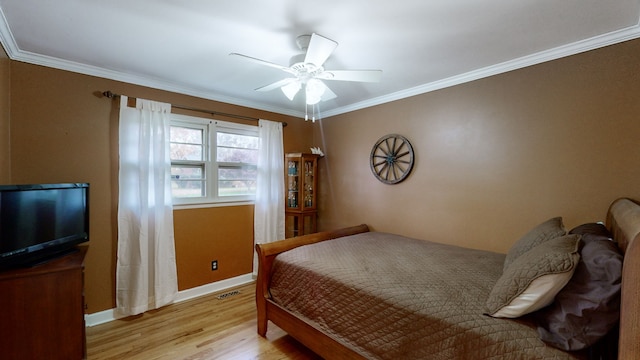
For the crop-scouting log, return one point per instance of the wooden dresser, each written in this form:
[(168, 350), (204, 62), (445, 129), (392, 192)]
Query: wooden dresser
[(42, 310)]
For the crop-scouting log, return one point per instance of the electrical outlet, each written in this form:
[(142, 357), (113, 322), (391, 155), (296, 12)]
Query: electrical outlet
[(214, 265)]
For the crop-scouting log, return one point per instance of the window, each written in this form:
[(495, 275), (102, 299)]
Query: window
[(212, 161)]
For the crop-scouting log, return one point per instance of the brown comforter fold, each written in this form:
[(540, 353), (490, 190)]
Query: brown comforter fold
[(392, 297)]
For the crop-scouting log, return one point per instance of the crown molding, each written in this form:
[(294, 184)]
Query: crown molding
[(596, 42), (56, 63), (7, 40), (14, 53)]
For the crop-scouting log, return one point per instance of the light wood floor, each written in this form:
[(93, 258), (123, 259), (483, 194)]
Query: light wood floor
[(201, 328)]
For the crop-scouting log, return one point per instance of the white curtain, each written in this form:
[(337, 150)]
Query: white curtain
[(146, 276), (269, 205)]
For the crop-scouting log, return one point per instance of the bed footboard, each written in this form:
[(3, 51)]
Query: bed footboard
[(267, 253)]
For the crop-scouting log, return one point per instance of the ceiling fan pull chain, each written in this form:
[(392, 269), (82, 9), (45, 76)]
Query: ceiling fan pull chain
[(313, 113)]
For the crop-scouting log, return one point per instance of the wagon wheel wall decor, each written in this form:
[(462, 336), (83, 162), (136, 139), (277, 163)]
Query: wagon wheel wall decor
[(391, 159)]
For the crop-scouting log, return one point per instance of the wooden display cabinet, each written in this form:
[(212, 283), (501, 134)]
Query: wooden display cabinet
[(302, 184)]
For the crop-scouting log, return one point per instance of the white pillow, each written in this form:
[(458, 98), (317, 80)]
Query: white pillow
[(533, 280), (537, 295)]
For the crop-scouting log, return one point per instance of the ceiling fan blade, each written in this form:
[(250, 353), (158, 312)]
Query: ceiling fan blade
[(320, 48), (351, 75), (263, 62), (277, 84), (328, 94)]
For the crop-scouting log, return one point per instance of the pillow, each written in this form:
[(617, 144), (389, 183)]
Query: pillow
[(592, 229), (533, 279), (587, 308), (548, 230)]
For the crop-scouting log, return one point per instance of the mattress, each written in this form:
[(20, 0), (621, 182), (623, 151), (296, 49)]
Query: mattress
[(393, 297)]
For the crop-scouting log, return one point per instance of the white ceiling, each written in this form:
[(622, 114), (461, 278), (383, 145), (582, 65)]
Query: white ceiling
[(421, 45)]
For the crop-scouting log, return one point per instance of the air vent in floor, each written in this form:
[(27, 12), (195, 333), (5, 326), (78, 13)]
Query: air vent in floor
[(227, 294)]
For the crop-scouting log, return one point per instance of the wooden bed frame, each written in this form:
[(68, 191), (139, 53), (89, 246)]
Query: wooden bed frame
[(623, 219)]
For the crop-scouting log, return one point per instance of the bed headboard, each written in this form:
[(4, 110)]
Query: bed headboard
[(623, 220)]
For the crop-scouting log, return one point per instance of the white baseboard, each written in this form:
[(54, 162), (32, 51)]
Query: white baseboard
[(99, 317), (214, 287), (110, 315)]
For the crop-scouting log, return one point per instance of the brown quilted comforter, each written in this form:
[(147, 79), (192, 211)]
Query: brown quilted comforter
[(392, 297)]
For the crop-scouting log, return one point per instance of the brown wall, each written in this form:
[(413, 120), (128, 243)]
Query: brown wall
[(62, 132), (495, 156), (224, 240), (5, 120)]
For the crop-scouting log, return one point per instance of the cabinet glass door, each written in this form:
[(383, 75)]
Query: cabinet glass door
[(308, 184), (293, 184)]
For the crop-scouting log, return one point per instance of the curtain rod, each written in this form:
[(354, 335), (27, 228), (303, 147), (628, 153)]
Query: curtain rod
[(111, 95)]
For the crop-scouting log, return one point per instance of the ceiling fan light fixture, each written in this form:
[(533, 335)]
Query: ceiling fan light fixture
[(291, 89), (314, 89), (312, 100), (309, 73)]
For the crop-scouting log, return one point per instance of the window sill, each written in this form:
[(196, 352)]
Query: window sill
[(210, 205)]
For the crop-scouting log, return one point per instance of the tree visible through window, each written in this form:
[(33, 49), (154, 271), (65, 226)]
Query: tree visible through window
[(237, 156), (212, 161), (188, 162)]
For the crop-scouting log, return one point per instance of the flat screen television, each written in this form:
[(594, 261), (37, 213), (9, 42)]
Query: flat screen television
[(40, 222)]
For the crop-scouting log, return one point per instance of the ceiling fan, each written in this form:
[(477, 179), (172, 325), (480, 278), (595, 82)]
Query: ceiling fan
[(307, 71)]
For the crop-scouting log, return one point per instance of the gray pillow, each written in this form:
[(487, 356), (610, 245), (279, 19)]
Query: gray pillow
[(548, 230), (534, 278), (587, 308)]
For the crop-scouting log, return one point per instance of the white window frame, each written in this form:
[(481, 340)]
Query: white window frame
[(211, 128)]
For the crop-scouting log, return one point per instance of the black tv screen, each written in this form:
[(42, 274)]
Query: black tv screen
[(42, 221)]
